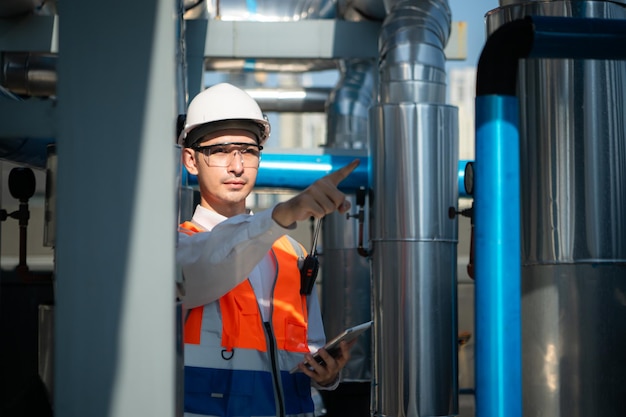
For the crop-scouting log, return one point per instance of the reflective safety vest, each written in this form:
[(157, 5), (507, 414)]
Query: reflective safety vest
[(238, 365)]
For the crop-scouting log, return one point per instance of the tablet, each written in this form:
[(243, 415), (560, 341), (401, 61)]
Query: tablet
[(332, 347)]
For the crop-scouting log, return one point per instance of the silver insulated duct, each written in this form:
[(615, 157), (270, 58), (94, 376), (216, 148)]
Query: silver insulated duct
[(573, 205), (414, 146), (346, 294)]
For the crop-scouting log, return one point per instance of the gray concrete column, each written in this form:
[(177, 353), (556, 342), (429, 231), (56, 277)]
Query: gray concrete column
[(115, 302)]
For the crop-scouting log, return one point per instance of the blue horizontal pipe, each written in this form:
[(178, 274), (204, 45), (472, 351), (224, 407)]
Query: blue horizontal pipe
[(545, 37), (298, 171), (497, 257), (578, 38)]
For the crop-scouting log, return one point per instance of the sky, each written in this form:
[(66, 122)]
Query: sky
[(473, 12)]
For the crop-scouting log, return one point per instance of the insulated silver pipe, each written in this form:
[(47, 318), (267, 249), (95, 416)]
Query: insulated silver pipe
[(414, 260), (414, 146), (346, 280), (573, 171), (349, 104), (261, 10), (309, 100)]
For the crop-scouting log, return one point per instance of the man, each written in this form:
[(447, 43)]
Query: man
[(247, 325)]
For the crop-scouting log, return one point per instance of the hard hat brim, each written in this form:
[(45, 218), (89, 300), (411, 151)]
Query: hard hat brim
[(192, 134)]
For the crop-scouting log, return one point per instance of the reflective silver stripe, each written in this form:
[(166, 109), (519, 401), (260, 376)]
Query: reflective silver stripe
[(208, 354), (211, 357), (249, 359)]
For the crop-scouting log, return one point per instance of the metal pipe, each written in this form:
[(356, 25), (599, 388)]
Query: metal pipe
[(414, 145), (29, 73), (309, 100), (347, 281)]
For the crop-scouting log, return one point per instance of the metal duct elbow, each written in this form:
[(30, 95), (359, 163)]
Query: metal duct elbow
[(411, 52), (349, 104)]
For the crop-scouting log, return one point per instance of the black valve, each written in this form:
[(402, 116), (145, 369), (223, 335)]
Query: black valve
[(468, 212), (22, 184), (361, 193), (22, 187)]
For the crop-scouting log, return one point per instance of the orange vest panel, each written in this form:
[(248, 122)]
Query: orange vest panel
[(242, 326)]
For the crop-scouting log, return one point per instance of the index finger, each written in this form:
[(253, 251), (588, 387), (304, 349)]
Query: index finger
[(342, 173)]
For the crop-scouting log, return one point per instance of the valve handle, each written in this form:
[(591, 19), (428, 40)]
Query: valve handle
[(22, 183)]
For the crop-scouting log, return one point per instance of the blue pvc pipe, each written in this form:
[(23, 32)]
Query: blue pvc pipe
[(497, 257), (298, 171)]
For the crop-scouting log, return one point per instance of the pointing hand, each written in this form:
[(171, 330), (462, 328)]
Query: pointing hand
[(319, 199)]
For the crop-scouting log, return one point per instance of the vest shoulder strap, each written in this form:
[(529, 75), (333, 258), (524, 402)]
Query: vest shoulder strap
[(298, 248)]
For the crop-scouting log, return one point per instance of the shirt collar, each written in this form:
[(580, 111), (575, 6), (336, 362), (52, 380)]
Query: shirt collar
[(207, 218)]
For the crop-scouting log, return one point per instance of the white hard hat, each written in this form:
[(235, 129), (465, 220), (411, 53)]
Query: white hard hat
[(223, 106)]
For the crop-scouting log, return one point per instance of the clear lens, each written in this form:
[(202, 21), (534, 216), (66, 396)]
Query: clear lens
[(222, 155)]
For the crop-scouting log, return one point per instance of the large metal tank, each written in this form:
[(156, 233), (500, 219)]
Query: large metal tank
[(573, 171)]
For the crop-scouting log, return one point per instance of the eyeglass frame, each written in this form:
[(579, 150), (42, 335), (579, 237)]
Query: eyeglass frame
[(215, 145)]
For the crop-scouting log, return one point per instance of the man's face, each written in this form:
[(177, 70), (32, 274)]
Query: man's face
[(224, 188)]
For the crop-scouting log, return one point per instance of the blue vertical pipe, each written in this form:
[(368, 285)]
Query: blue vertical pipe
[(497, 257)]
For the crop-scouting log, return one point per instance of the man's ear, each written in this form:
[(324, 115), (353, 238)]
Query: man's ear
[(189, 160)]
